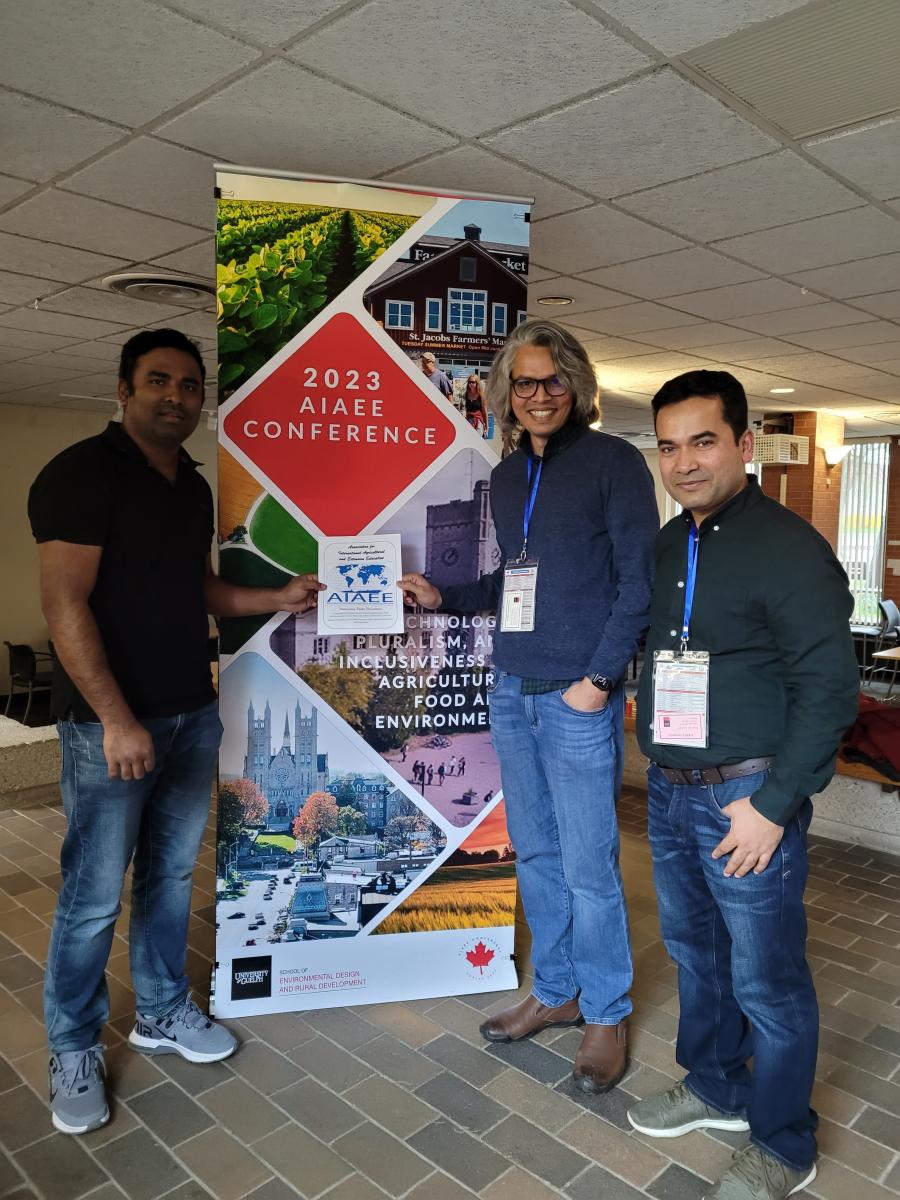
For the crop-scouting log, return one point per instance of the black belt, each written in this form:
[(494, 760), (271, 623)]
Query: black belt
[(694, 775)]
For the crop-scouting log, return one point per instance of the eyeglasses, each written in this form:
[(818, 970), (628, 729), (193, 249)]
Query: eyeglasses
[(526, 388)]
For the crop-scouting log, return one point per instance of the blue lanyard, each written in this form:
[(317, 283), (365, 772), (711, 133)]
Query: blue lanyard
[(690, 584), (529, 503)]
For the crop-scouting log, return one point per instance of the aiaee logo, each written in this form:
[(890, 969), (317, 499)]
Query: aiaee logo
[(251, 978), (481, 955), (340, 428)]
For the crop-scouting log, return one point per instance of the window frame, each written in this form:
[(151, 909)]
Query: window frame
[(429, 326), (388, 324), (474, 293), (497, 310)]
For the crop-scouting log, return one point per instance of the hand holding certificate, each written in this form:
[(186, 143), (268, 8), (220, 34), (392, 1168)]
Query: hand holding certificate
[(360, 576)]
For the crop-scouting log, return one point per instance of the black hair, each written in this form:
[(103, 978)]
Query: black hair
[(156, 339), (729, 390)]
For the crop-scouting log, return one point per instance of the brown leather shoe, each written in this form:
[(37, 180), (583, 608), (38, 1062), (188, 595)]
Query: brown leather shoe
[(529, 1017), (601, 1059)]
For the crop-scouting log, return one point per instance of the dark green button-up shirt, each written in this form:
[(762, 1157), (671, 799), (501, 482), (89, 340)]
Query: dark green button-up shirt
[(772, 607)]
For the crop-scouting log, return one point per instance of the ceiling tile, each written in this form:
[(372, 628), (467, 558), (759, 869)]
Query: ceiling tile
[(732, 200), (703, 334), (595, 237), (194, 324), (538, 274), (106, 407), (92, 224), (99, 350), (891, 365), (868, 156), (676, 27), (743, 299), (17, 375), (265, 22), (272, 117), (608, 349), (43, 396), (586, 297), (842, 237), (11, 188), (751, 348), (664, 360), (30, 340), (669, 274), (199, 260), (154, 177), (109, 306), (30, 257), (861, 278), (872, 356), (650, 130), (111, 64), (794, 320), (574, 54), (796, 365), (869, 334), (476, 169), (38, 320), (66, 360), (633, 318), (21, 289), (48, 139), (885, 305), (10, 354)]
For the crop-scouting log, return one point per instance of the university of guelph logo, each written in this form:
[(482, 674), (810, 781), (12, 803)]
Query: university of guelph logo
[(481, 956), (251, 978)]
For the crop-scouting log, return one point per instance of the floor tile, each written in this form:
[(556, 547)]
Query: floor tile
[(242, 1110), (390, 1105), (170, 1114), (461, 1102), (329, 1064), (467, 1159), (475, 1066), (382, 1158), (140, 1165), (223, 1164), (302, 1160), (535, 1150), (318, 1109)]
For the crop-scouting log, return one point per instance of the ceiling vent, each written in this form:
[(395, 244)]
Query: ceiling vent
[(183, 291), (787, 449), (815, 70)]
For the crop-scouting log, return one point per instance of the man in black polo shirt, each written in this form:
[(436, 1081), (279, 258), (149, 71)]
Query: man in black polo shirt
[(124, 525), (750, 680)]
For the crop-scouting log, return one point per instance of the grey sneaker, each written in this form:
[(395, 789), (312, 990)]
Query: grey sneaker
[(755, 1175), (677, 1111), (185, 1030), (77, 1091)]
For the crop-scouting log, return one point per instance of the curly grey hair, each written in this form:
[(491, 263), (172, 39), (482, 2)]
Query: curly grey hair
[(572, 366)]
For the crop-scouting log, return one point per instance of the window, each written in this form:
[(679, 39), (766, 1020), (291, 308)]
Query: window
[(433, 315), (522, 317), (468, 311), (320, 645), (864, 479), (398, 314), (498, 319), (467, 270)]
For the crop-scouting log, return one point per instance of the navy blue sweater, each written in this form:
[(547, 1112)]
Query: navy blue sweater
[(593, 529)]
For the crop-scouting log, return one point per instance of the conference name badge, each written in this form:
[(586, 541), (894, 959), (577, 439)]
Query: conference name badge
[(519, 589), (360, 576), (681, 698)]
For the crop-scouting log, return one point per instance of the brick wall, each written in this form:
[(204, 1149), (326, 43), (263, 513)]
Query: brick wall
[(891, 587), (814, 490)]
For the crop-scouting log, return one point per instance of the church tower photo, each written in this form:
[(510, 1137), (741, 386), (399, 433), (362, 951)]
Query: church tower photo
[(287, 777)]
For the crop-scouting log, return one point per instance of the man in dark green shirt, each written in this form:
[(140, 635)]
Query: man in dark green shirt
[(750, 680)]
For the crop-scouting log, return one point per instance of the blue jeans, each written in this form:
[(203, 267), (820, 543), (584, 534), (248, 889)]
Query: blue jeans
[(159, 820), (561, 771), (744, 986)]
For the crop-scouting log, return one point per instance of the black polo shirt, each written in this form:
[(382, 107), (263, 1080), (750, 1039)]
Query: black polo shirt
[(148, 599), (772, 608)]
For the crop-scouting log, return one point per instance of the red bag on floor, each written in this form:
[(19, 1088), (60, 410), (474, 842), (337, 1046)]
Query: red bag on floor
[(874, 738)]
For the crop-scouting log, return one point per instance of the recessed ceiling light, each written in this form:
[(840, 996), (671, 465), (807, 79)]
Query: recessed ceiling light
[(780, 391), (554, 300), (183, 290)]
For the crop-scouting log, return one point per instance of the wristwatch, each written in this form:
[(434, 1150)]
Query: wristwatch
[(603, 682)]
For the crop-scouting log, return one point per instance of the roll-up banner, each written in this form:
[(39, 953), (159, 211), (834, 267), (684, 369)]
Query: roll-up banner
[(362, 850)]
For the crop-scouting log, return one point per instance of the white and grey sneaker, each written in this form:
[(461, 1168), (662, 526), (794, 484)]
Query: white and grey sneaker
[(77, 1090), (677, 1111), (184, 1030)]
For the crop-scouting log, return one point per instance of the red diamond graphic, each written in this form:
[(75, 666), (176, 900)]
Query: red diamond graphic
[(340, 428)]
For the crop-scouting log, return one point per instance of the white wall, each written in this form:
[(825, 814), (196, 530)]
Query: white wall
[(29, 438)]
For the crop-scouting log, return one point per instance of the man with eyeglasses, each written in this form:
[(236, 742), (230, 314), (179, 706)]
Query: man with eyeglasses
[(576, 518)]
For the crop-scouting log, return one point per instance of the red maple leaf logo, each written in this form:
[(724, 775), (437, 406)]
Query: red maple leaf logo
[(480, 957)]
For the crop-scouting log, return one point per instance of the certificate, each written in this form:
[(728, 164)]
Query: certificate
[(360, 576)]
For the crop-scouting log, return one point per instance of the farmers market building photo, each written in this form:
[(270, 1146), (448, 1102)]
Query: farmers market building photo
[(457, 298)]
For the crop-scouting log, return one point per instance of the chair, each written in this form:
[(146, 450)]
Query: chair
[(888, 637), (24, 673)]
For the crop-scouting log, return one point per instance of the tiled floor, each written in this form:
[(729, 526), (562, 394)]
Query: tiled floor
[(405, 1099)]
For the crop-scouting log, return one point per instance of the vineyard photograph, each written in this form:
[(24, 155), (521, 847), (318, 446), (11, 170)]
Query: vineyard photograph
[(277, 265)]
